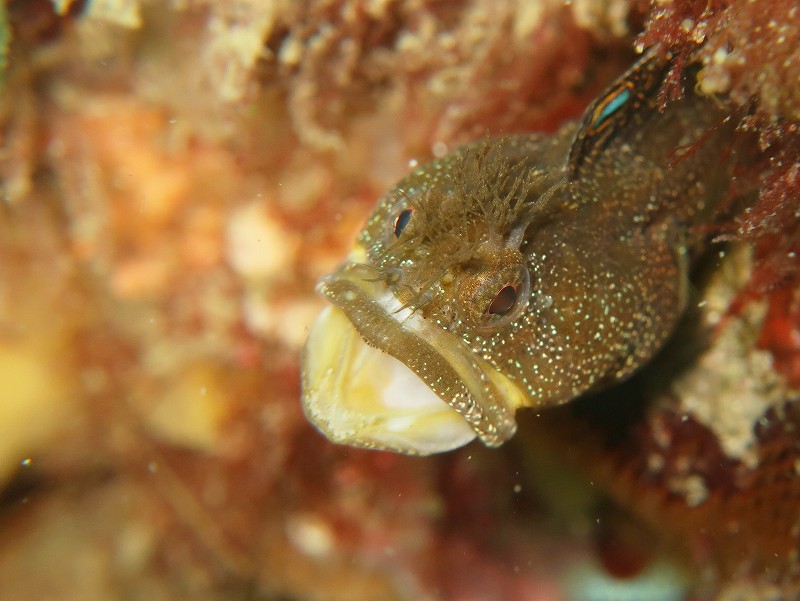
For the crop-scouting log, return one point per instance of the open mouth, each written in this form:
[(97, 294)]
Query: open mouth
[(379, 376), (359, 395)]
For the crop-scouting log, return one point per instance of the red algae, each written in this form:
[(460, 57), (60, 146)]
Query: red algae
[(748, 51)]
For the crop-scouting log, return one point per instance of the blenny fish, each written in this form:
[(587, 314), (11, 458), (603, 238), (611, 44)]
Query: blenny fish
[(518, 271)]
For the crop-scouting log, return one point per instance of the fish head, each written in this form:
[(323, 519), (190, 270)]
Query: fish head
[(404, 357)]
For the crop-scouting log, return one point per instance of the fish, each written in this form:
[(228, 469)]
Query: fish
[(519, 271)]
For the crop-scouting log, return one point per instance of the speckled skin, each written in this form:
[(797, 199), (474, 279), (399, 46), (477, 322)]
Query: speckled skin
[(601, 217)]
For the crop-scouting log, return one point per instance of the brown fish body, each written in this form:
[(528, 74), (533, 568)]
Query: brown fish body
[(525, 270)]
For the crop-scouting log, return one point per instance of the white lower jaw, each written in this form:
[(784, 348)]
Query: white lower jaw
[(358, 395)]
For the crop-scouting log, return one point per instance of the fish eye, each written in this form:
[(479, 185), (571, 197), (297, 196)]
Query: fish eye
[(495, 297), (402, 221), (504, 301)]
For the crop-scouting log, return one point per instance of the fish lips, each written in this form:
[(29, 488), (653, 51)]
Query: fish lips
[(378, 375)]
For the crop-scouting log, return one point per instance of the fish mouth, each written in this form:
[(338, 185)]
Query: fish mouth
[(378, 375)]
